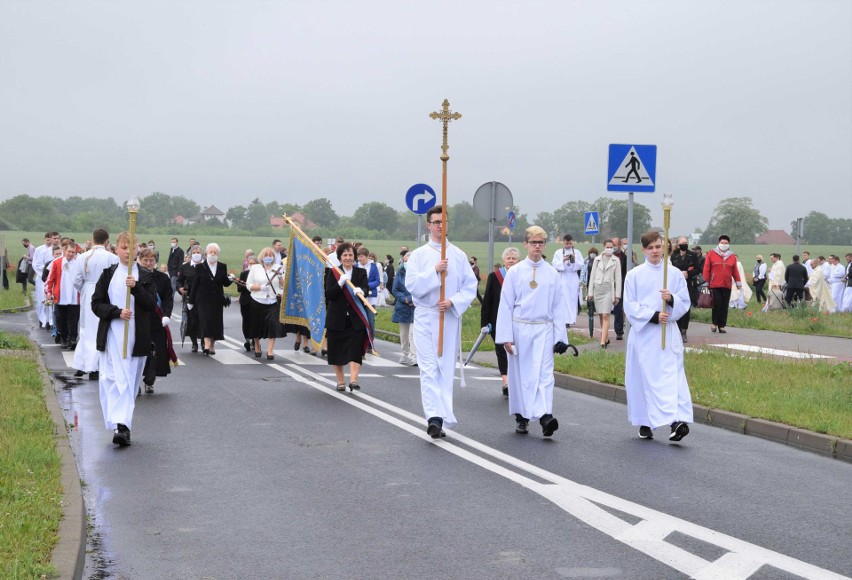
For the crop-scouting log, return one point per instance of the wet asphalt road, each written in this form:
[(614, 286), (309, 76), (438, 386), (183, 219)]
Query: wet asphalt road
[(242, 468)]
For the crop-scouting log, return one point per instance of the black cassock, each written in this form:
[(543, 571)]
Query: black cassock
[(207, 296)]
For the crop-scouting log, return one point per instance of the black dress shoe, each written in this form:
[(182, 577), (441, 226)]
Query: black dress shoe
[(549, 424), (323, 353), (619, 337), (205, 351), (433, 428), (297, 346), (505, 390), (247, 346), (645, 432), (121, 436), (79, 374), (270, 356), (94, 376), (522, 423), (354, 387), (194, 348), (257, 354)]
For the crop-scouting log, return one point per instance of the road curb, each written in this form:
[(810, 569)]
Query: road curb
[(27, 305), (69, 553), (778, 432)]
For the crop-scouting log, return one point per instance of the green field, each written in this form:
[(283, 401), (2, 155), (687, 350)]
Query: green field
[(234, 247)]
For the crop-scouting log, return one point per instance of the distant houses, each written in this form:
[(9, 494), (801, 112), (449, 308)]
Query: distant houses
[(775, 238), (298, 217)]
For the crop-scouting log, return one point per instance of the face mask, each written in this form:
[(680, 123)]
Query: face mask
[(151, 246), (212, 258), (683, 247), (759, 261), (623, 248), (174, 245), (593, 255), (723, 247), (196, 258), (608, 251), (268, 260)]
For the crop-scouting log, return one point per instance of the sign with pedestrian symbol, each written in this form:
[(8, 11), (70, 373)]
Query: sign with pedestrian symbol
[(632, 168), (592, 221)]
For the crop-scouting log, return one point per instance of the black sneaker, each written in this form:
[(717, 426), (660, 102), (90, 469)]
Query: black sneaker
[(505, 390), (549, 424), (522, 424), (645, 432), (679, 431), (149, 389), (79, 374), (619, 337), (121, 436), (93, 376)]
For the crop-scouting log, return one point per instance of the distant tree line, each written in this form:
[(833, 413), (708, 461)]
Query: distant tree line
[(734, 216)]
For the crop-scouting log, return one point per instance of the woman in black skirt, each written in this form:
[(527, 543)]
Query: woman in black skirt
[(264, 282), (208, 295), (345, 330), (186, 276), (245, 302)]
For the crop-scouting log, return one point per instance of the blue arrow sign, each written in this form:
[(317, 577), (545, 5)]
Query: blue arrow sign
[(420, 198), (593, 223), (632, 168), (510, 219)]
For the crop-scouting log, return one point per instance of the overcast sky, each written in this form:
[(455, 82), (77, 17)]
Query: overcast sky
[(226, 101)]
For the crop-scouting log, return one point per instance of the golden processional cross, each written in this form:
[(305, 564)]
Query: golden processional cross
[(445, 116)]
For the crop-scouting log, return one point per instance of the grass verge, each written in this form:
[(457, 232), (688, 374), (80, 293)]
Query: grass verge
[(11, 298), (798, 320), (30, 490), (811, 395)]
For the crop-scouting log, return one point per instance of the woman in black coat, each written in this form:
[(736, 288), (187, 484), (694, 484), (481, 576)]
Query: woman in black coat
[(490, 305), (345, 330), (157, 364), (208, 295), (186, 276)]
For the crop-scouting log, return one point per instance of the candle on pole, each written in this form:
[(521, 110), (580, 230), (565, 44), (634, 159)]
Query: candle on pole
[(132, 210), (445, 116), (667, 215)]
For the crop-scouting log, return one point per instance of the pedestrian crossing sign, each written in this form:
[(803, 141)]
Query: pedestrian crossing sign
[(593, 223), (632, 168)]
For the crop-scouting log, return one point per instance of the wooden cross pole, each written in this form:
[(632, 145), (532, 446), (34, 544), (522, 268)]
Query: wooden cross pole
[(667, 216), (445, 116)]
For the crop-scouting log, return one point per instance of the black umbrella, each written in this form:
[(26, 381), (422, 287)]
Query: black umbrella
[(590, 305)]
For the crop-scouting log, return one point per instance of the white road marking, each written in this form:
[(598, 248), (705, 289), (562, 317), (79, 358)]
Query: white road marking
[(360, 375), (647, 536), (771, 351), (68, 355), (231, 357)]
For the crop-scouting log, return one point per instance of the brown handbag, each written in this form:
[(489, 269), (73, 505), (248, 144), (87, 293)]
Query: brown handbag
[(705, 298)]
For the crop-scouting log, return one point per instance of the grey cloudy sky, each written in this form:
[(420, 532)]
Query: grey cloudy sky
[(226, 101)]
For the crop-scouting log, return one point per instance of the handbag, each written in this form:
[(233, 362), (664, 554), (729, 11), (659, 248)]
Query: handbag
[(705, 298)]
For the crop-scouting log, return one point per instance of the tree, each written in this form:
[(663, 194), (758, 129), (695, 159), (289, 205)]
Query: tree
[(257, 216), (236, 216), (570, 217), (321, 213), (736, 218), (547, 221), (376, 216), (821, 229), (614, 218)]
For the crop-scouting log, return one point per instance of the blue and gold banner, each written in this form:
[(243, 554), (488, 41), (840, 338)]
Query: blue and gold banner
[(303, 291)]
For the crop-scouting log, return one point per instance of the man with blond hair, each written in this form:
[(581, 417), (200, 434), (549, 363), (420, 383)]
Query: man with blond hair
[(531, 327)]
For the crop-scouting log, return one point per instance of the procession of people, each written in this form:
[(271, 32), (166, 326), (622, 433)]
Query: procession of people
[(89, 297)]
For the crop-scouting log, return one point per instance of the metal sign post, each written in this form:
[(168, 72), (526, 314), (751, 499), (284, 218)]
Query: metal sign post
[(487, 201)]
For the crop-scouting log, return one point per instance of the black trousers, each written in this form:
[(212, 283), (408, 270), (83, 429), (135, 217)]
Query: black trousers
[(797, 294), (67, 322), (758, 290), (502, 358), (245, 313), (693, 294), (721, 299), (683, 321), (618, 312)]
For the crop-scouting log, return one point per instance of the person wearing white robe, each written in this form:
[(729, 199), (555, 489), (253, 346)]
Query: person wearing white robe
[(90, 266), (740, 296), (846, 305), (423, 281), (530, 323), (120, 376), (568, 261), (819, 288), (775, 294), (836, 281), (41, 258), (657, 390)]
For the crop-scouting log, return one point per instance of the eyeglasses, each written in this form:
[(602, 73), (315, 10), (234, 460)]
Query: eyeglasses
[(436, 223), (536, 242)]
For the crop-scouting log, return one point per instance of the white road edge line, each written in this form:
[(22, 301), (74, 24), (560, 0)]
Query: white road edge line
[(742, 560)]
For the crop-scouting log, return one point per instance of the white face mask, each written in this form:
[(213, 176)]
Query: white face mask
[(174, 245), (608, 251), (212, 258), (592, 256), (196, 258), (723, 247)]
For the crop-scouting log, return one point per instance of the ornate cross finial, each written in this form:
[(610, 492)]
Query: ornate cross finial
[(445, 116)]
